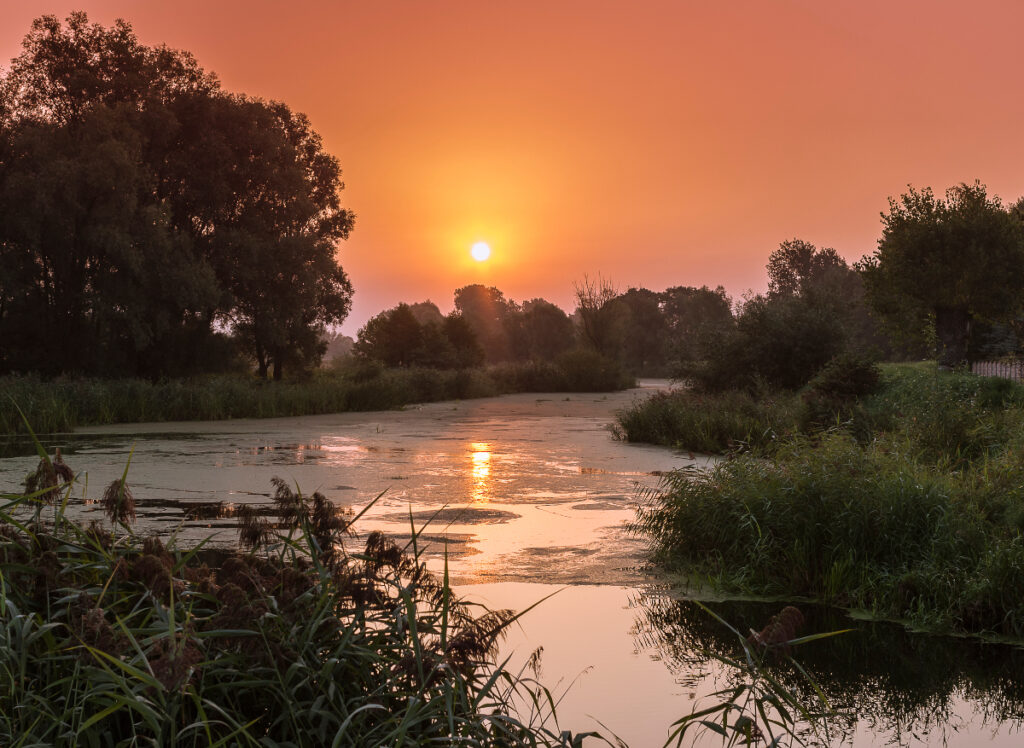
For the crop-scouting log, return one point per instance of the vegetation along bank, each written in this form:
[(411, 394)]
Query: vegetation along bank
[(898, 491)]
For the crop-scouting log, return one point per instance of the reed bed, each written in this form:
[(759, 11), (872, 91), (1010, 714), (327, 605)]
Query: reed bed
[(112, 639), (867, 528), (909, 504), (62, 405)]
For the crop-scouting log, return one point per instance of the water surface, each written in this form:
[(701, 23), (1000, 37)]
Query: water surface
[(529, 494)]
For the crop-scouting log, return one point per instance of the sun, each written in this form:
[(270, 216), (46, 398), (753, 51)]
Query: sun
[(480, 251)]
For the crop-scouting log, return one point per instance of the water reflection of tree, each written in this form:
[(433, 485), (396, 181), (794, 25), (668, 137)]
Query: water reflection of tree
[(880, 675)]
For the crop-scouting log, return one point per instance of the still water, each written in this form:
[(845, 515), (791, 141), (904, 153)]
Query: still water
[(528, 495)]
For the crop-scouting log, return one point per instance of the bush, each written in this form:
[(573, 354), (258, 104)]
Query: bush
[(847, 376), (830, 398), (713, 423), (779, 342), (586, 370)]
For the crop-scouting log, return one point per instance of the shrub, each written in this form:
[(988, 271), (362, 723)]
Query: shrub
[(586, 370), (782, 342), (830, 398)]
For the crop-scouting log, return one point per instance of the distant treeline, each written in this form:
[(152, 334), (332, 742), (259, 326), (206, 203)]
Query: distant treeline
[(815, 308), (640, 330)]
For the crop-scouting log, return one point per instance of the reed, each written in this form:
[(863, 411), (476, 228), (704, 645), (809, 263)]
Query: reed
[(872, 528), (59, 406), (109, 638)]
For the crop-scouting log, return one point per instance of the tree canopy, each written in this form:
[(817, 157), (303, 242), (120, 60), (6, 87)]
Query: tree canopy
[(144, 211), (797, 264), (953, 259)]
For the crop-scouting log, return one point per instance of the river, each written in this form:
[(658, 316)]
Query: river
[(528, 495)]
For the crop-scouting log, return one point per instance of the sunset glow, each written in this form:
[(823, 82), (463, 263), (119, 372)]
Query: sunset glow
[(480, 251), (661, 144)]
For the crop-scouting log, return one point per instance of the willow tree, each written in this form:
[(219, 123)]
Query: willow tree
[(952, 260)]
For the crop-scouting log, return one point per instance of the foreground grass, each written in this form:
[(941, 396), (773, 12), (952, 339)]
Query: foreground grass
[(107, 638), (910, 505), (62, 405)]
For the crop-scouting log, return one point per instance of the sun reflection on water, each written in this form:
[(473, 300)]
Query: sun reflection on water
[(480, 458)]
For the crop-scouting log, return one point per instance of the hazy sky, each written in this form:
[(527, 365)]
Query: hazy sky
[(656, 143)]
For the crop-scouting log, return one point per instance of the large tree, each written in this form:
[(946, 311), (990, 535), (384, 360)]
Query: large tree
[(140, 206), (271, 222), (955, 259), (97, 279)]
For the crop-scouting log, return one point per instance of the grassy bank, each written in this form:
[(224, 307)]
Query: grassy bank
[(107, 638), (945, 416), (62, 405), (909, 505)]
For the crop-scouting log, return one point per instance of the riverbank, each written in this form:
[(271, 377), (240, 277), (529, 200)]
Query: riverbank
[(906, 503), (60, 406), (532, 485)]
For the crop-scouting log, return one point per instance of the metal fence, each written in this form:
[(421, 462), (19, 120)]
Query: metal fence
[(1007, 369)]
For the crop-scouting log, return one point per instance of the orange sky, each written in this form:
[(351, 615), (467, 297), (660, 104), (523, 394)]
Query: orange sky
[(658, 143)]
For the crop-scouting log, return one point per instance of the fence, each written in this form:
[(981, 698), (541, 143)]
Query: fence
[(1008, 369)]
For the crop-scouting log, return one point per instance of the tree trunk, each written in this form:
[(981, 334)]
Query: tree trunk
[(953, 329), (277, 369)]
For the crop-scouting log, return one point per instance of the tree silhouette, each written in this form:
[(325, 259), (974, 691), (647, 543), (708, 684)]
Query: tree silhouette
[(956, 259), (140, 205)]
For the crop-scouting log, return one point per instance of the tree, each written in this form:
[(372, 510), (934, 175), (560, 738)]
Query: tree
[(266, 206), (486, 310), (393, 337), (465, 347), (782, 342), (693, 315), (821, 277), (646, 340), (601, 317), (953, 259), (99, 280), (541, 331), (426, 312), (797, 264), (140, 206)]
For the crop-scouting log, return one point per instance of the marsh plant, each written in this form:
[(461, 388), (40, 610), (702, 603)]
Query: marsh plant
[(757, 706), (110, 638), (58, 406), (904, 687)]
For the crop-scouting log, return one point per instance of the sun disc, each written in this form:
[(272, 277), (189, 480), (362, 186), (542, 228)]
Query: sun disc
[(480, 251)]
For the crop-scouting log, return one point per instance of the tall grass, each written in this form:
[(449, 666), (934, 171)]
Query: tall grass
[(946, 419), (61, 405), (108, 638), (862, 527), (706, 422)]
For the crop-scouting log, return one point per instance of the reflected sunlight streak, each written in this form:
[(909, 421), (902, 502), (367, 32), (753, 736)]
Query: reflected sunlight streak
[(481, 472)]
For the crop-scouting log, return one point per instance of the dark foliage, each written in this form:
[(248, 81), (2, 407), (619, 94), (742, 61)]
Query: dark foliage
[(142, 208)]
